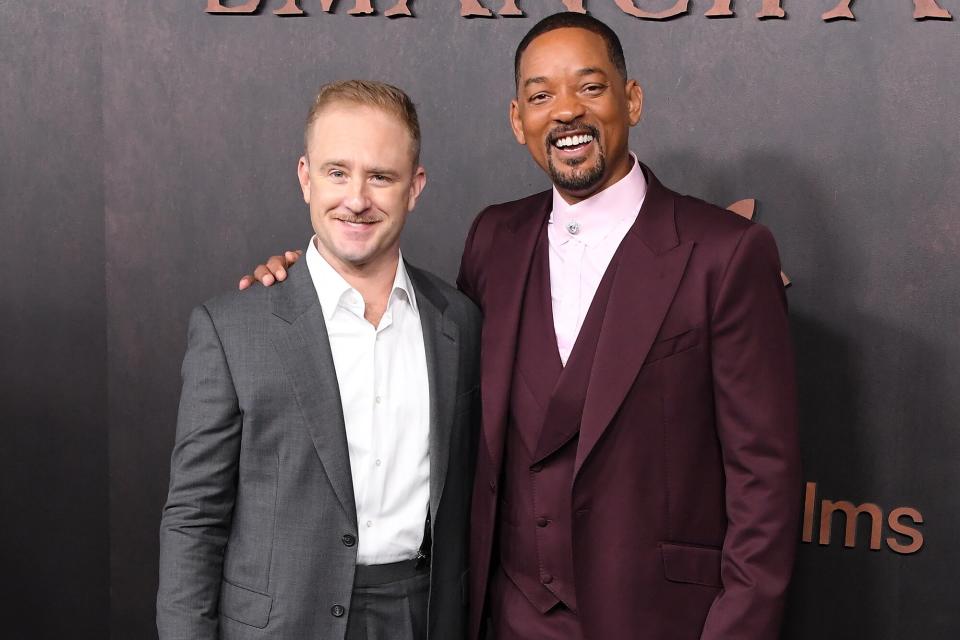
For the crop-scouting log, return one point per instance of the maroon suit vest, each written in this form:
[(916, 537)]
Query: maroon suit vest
[(546, 402)]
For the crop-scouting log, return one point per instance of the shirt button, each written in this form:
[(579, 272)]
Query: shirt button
[(377, 399), (379, 462), (337, 611), (349, 539), (545, 579), (369, 523), (542, 522), (573, 227)]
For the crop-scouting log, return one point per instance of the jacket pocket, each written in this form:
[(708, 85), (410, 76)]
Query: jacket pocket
[(673, 345), (691, 564), (245, 606)]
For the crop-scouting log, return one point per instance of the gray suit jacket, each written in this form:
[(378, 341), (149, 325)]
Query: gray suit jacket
[(254, 536)]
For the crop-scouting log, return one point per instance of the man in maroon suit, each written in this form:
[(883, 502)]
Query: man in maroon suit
[(638, 472)]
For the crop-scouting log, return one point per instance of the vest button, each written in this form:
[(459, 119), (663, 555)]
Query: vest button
[(537, 468), (337, 611), (546, 578), (542, 522), (349, 540)]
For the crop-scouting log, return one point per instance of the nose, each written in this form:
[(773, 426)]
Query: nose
[(357, 198), (567, 107)]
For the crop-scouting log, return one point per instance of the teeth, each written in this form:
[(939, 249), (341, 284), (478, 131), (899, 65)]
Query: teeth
[(571, 141)]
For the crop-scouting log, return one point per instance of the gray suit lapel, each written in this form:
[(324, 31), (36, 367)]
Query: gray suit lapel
[(304, 349), (440, 337)]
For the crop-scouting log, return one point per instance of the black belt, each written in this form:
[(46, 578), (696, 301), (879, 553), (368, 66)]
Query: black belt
[(369, 575)]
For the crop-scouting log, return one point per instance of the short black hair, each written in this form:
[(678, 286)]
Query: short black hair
[(571, 19)]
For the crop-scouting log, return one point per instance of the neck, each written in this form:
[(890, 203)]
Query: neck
[(373, 280)]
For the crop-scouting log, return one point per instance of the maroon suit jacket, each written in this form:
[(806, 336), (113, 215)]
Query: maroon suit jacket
[(687, 479)]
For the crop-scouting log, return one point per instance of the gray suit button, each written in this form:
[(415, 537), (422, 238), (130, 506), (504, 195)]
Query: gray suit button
[(337, 611), (349, 540)]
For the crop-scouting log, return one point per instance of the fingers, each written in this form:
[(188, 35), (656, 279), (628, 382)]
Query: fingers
[(263, 275), (274, 271), (276, 265)]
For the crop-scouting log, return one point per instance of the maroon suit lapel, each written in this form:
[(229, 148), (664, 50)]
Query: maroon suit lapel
[(651, 266), (515, 247)]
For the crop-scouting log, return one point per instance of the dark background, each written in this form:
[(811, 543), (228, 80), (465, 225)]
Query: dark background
[(148, 160)]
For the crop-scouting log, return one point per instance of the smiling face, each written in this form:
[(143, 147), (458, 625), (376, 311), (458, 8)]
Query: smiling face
[(574, 111), (360, 178)]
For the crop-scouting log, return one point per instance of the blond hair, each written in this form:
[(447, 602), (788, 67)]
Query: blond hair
[(370, 93)]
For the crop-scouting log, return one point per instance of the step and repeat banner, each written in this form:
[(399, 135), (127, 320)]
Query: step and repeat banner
[(150, 160)]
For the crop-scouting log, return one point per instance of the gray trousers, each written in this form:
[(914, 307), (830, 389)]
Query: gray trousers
[(389, 602)]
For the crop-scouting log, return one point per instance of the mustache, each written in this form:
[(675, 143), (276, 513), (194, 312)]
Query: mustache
[(359, 220), (565, 129)]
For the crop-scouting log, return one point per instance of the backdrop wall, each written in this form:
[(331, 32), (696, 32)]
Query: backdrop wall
[(149, 155)]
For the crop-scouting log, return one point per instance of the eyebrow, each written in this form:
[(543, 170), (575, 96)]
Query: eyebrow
[(536, 80), (586, 71), (375, 170)]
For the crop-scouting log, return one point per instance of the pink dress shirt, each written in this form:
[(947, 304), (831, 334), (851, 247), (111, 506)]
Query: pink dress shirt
[(583, 238)]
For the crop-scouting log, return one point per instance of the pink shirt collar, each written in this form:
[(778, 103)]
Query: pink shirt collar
[(595, 217)]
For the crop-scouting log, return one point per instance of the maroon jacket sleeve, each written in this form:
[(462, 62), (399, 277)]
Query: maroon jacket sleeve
[(756, 420), (469, 279)]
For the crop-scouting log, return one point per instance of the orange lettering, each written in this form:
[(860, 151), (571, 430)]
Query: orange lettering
[(216, 6), (828, 507), (809, 504), (916, 538), (290, 8), (473, 8), (768, 9), (839, 12), (929, 10), (398, 10), (629, 8)]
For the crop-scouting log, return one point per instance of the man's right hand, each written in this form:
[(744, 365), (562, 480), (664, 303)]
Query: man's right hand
[(275, 270)]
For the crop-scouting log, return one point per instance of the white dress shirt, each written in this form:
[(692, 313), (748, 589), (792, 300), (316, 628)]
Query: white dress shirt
[(382, 375), (583, 238)]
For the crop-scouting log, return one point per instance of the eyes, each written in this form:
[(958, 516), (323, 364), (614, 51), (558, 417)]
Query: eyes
[(339, 176), (589, 90)]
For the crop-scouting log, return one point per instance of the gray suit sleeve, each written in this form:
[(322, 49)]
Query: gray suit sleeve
[(203, 471)]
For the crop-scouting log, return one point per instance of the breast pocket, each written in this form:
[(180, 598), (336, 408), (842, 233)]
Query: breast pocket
[(671, 346)]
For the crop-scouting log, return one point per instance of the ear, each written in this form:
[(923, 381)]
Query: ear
[(634, 101), (303, 174), (416, 187), (516, 123)]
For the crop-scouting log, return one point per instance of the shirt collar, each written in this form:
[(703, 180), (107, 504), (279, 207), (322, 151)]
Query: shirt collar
[(332, 287), (596, 216)]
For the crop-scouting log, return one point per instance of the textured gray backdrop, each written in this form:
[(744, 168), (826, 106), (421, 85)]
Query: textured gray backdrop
[(148, 159)]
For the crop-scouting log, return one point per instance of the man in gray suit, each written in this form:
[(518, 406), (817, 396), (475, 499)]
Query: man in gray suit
[(320, 482)]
